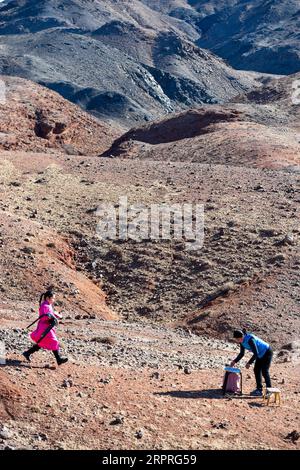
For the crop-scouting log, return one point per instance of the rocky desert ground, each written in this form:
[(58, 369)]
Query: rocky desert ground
[(147, 325)]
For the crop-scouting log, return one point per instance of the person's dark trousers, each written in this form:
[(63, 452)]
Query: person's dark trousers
[(261, 369), (30, 351), (33, 349)]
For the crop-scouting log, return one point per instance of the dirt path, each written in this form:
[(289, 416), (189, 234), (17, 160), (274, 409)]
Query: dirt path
[(135, 386), (92, 407)]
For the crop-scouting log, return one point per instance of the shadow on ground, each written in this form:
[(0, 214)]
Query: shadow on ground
[(17, 363), (214, 393)]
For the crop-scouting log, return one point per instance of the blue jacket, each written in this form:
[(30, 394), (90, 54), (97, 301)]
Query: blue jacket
[(254, 344), (261, 346)]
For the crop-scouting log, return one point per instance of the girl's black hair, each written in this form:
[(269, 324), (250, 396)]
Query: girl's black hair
[(239, 333), (46, 295)]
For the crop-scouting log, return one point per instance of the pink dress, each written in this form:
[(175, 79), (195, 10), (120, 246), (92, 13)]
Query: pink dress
[(50, 341)]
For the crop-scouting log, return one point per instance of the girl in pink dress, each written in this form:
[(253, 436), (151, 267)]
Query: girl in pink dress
[(44, 335)]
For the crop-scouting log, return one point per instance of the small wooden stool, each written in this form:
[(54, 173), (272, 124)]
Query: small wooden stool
[(272, 392)]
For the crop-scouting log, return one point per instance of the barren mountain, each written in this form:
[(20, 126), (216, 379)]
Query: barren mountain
[(118, 60), (251, 35), (246, 274), (257, 35), (259, 129), (163, 70)]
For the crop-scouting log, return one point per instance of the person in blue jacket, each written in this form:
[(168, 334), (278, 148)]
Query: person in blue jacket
[(262, 355)]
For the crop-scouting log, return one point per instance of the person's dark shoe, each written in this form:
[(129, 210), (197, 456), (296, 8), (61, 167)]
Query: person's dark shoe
[(256, 393), (26, 354), (61, 360)]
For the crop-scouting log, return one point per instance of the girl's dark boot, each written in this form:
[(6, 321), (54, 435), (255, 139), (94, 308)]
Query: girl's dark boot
[(60, 360), (30, 351)]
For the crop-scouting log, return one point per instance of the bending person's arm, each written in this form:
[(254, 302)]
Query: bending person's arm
[(240, 356), (254, 349)]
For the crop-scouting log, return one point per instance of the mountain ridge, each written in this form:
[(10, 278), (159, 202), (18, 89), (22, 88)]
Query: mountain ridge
[(143, 65)]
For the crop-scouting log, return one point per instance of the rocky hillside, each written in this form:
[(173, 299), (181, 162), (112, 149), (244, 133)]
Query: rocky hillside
[(221, 157), (159, 44), (33, 118), (258, 129), (175, 309), (250, 252), (256, 35), (78, 50), (251, 35)]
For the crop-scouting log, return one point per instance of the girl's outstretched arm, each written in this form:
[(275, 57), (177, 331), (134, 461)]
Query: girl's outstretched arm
[(57, 315)]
